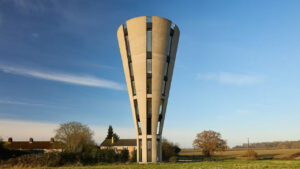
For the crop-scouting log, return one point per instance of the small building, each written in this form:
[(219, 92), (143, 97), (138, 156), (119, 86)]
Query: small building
[(33, 146), (118, 146)]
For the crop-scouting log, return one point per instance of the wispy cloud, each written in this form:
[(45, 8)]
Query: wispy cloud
[(83, 80), (18, 103), (35, 35), (231, 78), (25, 103), (29, 6)]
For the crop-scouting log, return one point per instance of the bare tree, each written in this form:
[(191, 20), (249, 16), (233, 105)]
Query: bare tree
[(75, 137), (209, 141)]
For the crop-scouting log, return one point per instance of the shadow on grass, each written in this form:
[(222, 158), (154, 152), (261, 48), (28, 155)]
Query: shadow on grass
[(199, 158)]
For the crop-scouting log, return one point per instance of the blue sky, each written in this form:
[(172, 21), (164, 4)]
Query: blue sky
[(236, 71)]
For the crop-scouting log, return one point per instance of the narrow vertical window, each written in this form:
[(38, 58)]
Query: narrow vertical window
[(140, 150), (149, 150), (149, 124), (133, 88), (136, 108), (149, 66), (158, 150), (149, 40), (161, 107), (149, 107), (127, 46), (149, 85), (170, 44), (158, 127), (129, 60), (163, 88), (130, 70), (137, 115)]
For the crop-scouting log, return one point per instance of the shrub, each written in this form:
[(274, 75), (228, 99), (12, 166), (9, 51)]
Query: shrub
[(68, 158), (173, 159), (133, 156), (124, 156), (169, 150), (251, 155)]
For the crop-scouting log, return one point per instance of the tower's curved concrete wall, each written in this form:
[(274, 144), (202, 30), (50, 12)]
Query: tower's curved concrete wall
[(148, 48)]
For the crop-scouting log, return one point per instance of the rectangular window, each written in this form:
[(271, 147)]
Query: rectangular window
[(125, 148), (140, 150), (149, 85), (133, 88), (136, 108), (158, 126), (161, 107), (163, 88), (149, 40), (127, 46), (149, 107), (139, 128), (149, 66), (149, 150), (170, 44), (149, 126), (158, 150), (166, 69), (131, 70)]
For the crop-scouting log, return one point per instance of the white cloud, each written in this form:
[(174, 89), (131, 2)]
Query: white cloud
[(83, 80), (35, 35), (29, 6), (231, 78), (18, 102)]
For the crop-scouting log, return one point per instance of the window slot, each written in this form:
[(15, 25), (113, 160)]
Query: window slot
[(149, 107), (158, 127), (149, 124), (149, 85), (133, 88), (163, 88), (149, 150), (149, 66), (149, 40), (161, 107), (128, 47), (140, 150)]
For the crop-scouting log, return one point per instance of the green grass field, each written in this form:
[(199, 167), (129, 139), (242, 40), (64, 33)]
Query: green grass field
[(232, 159), (237, 154), (231, 164)]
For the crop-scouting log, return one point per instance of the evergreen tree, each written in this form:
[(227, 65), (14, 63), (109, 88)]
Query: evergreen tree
[(110, 132)]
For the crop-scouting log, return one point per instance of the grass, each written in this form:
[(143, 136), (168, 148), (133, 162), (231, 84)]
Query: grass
[(232, 159), (237, 154), (230, 164)]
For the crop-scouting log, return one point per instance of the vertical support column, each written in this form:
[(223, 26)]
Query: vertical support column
[(160, 38)]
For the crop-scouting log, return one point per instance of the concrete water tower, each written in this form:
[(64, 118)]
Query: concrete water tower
[(148, 48)]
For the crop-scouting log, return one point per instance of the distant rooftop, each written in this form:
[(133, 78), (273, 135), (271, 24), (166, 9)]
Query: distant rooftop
[(30, 145)]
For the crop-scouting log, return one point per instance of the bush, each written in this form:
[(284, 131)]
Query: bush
[(251, 155), (67, 158), (169, 150), (124, 156), (133, 156), (173, 159)]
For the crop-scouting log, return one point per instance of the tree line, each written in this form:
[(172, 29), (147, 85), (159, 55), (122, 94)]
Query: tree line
[(78, 147), (271, 145)]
